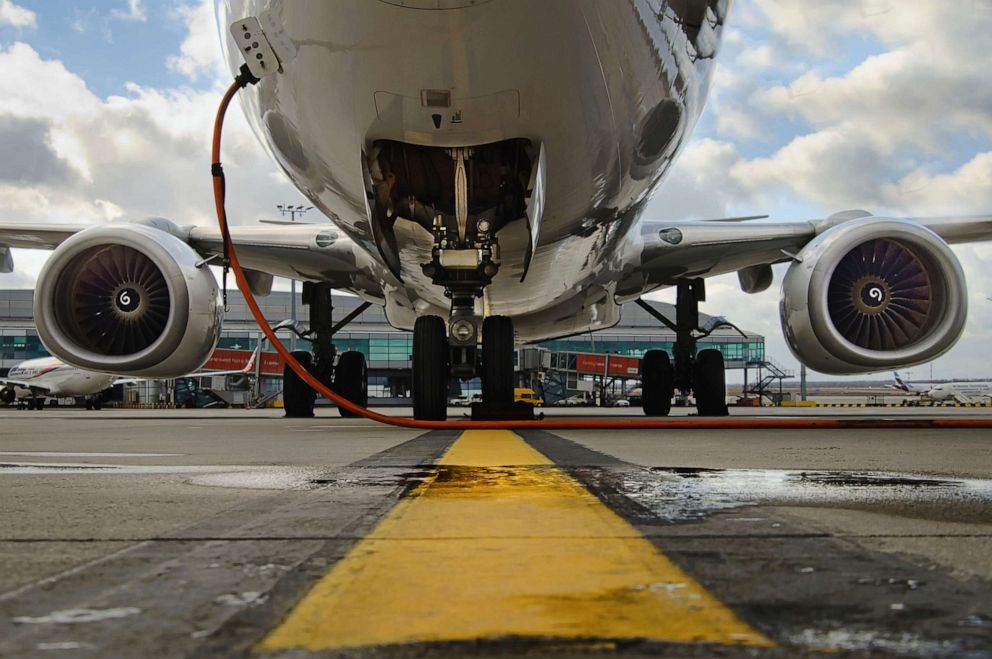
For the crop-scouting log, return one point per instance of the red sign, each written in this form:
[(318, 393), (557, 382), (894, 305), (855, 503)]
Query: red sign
[(224, 359), (596, 364), (625, 366)]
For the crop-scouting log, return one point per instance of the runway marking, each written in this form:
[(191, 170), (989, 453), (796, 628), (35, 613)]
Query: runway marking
[(501, 543)]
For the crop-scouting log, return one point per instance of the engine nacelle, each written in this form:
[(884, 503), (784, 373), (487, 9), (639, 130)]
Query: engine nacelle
[(128, 299), (871, 295), (7, 395)]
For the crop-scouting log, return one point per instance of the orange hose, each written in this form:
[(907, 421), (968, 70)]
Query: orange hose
[(546, 424)]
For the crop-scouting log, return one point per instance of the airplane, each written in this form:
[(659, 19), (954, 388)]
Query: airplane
[(35, 380), (484, 166), (961, 392)]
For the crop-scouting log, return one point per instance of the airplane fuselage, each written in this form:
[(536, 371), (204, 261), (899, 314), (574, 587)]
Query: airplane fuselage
[(50, 377), (972, 391), (602, 96)]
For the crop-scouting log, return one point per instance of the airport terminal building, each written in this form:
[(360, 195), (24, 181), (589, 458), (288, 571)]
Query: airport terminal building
[(389, 350)]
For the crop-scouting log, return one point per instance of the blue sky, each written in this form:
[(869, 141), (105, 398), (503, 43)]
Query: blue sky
[(103, 44)]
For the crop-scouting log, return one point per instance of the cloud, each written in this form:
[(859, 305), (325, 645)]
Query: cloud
[(29, 155), (135, 12), (820, 107), (200, 54), (16, 15), (146, 153)]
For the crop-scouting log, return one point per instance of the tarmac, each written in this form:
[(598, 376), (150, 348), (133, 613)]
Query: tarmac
[(241, 533)]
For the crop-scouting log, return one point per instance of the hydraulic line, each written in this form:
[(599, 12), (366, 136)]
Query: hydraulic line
[(219, 185)]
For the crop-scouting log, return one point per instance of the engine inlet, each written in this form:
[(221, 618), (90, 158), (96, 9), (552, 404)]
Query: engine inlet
[(115, 299), (881, 296)]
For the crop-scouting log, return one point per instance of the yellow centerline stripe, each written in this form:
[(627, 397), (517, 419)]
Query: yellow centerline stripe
[(501, 543)]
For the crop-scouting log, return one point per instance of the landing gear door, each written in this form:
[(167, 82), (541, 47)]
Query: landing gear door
[(535, 207)]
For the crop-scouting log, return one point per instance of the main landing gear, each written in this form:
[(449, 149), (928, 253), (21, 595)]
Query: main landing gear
[(700, 374), (348, 376)]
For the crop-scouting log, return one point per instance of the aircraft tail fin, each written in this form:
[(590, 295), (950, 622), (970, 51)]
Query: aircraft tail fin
[(250, 365)]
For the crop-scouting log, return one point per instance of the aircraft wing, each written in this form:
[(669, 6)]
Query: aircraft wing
[(22, 383), (314, 252), (669, 251)]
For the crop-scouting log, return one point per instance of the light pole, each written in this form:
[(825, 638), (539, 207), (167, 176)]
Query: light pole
[(292, 212)]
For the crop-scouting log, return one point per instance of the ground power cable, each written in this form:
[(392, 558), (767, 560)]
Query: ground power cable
[(231, 260)]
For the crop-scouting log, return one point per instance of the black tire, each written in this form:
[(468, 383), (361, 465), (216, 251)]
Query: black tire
[(39, 403), (297, 396), (53, 402), (657, 383), (88, 404), (430, 369), (351, 380), (97, 404), (497, 360), (709, 383)]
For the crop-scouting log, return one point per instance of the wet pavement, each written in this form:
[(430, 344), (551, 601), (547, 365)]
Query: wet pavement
[(243, 534)]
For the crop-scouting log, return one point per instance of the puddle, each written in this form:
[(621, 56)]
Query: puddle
[(252, 477), (367, 479), (246, 599), (66, 454), (64, 645), (690, 494), (834, 640), (79, 616), (92, 468)]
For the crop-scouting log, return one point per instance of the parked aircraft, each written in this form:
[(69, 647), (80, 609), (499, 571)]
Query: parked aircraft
[(961, 392), (36, 380), (485, 165)]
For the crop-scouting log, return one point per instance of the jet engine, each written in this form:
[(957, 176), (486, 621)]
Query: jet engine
[(129, 299), (873, 294), (7, 395)]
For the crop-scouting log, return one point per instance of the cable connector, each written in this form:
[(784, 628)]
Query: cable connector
[(246, 77)]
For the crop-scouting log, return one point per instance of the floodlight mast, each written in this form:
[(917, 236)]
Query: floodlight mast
[(292, 212)]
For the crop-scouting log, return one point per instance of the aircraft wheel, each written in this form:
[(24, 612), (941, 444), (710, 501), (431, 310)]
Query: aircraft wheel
[(709, 383), (89, 404), (97, 404), (53, 402), (657, 383), (351, 380), (430, 369), (497, 360), (297, 396), (39, 403)]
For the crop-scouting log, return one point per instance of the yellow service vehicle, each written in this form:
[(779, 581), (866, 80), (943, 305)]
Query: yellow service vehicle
[(527, 396)]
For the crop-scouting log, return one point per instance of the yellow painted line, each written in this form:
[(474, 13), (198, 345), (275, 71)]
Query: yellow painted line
[(501, 543)]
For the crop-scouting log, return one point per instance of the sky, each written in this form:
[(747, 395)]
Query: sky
[(882, 105)]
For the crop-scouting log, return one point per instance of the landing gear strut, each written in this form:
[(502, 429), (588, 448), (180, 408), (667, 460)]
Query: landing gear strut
[(349, 377), (701, 374), (464, 260)]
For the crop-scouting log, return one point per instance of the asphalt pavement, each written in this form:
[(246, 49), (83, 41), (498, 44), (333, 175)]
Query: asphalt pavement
[(237, 533)]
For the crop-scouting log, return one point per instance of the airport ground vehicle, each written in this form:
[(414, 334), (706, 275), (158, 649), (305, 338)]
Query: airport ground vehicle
[(527, 396), (490, 204)]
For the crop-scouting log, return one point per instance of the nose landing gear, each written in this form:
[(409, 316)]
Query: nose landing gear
[(464, 260)]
